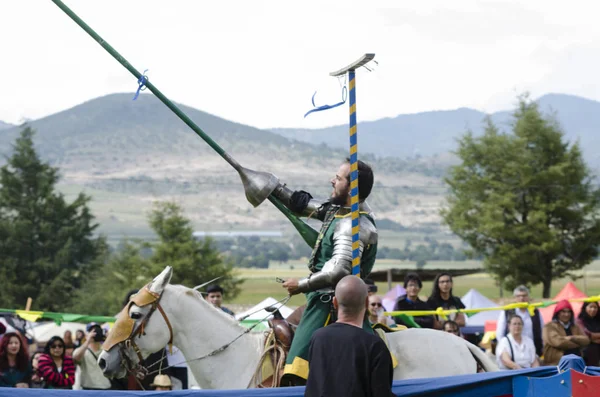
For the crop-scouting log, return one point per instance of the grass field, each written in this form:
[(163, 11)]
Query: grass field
[(260, 283), (122, 215)]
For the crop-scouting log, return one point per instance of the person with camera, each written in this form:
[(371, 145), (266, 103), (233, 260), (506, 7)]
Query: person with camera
[(86, 357)]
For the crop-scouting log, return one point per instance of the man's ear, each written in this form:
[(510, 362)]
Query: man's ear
[(335, 303), (367, 303)]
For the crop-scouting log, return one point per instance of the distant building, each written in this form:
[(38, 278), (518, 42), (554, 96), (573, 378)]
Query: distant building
[(238, 233)]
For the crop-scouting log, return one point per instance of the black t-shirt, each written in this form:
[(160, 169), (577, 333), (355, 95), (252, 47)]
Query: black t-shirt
[(453, 302), (345, 360), (404, 304)]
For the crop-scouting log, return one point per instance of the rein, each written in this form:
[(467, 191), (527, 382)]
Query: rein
[(124, 332), (225, 346)]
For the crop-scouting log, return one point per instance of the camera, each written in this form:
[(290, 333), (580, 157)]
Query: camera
[(99, 337)]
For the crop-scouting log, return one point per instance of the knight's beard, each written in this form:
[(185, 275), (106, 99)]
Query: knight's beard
[(339, 200)]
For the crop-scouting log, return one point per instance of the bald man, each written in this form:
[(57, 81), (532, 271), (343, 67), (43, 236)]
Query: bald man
[(344, 359)]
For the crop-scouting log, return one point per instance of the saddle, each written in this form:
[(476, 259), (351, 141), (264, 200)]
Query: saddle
[(282, 329), (277, 345)]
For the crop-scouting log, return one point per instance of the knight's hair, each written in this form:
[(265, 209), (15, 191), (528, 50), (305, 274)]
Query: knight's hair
[(365, 179)]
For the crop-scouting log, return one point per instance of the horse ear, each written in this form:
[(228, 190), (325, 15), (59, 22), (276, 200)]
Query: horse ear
[(160, 282)]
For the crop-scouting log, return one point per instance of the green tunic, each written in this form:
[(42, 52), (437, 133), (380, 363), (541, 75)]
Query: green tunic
[(318, 303)]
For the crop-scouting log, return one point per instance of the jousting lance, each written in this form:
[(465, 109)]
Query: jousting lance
[(258, 186)]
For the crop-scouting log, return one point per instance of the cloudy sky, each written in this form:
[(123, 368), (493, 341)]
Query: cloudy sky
[(259, 62)]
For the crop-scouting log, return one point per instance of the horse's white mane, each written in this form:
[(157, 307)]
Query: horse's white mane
[(180, 291)]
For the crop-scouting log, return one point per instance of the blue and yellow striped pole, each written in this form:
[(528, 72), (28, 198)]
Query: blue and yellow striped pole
[(351, 70), (354, 174)]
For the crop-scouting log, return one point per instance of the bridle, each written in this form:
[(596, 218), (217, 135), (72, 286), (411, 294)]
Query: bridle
[(124, 331)]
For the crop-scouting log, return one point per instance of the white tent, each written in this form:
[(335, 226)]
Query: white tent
[(474, 300), (257, 313), (43, 332), (9, 328)]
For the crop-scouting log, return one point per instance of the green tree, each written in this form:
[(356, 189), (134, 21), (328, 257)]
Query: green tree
[(524, 201), (421, 255), (446, 252), (194, 262), (280, 252), (46, 243), (106, 286)]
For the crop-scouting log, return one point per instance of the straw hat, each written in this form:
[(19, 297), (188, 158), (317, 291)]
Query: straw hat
[(162, 380)]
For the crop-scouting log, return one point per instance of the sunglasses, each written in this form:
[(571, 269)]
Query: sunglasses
[(57, 346), (376, 304)]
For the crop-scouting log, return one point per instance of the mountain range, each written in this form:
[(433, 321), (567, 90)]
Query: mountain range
[(4, 125), (127, 154), (435, 133)]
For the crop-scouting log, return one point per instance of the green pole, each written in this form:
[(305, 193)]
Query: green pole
[(150, 86), (308, 233)]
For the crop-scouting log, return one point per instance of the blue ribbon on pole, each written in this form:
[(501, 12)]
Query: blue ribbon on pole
[(141, 84), (325, 107)]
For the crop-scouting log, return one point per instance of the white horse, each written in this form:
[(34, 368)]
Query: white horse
[(221, 355)]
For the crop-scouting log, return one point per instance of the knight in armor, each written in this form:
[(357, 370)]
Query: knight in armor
[(330, 260)]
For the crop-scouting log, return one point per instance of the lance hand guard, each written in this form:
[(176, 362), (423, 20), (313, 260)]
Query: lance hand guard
[(301, 203)]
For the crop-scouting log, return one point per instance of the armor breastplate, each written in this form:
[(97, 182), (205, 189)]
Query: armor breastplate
[(329, 218), (323, 250)]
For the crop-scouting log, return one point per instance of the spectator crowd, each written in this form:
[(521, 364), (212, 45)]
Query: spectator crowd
[(523, 340), (64, 362)]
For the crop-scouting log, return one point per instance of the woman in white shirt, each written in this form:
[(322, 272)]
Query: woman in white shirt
[(516, 351)]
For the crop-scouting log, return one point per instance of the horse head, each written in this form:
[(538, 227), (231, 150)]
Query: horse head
[(138, 333)]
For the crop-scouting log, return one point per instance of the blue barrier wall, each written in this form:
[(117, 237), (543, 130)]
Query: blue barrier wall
[(493, 384)]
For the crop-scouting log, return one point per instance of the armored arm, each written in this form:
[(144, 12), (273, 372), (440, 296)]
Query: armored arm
[(301, 202), (340, 264)]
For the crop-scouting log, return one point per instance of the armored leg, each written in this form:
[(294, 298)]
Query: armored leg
[(316, 315)]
